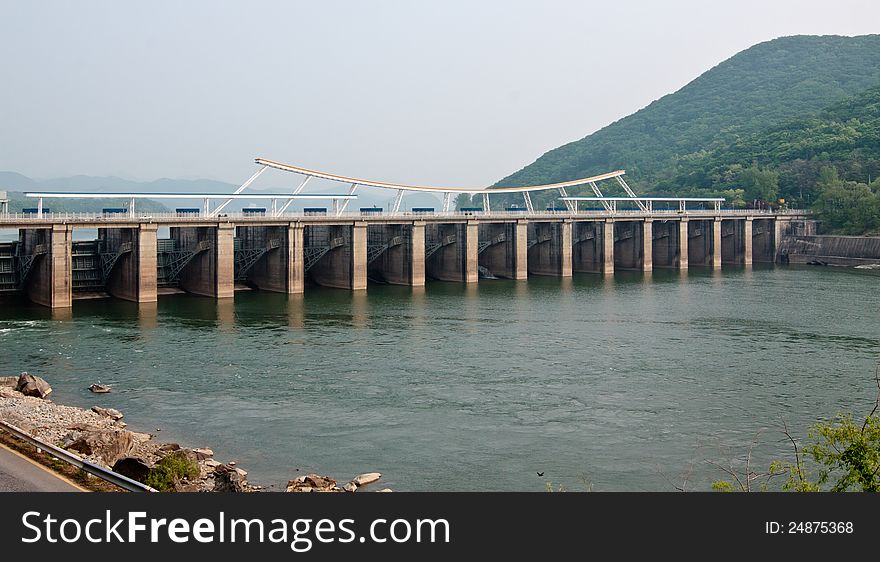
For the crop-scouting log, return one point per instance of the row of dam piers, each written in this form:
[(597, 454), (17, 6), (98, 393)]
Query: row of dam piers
[(215, 257)]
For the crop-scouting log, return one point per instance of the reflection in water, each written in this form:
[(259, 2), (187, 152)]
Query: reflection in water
[(296, 312), (418, 305), (683, 275), (360, 309), (607, 283), (565, 285), (470, 296), (148, 315), (521, 288), (61, 314), (226, 314)]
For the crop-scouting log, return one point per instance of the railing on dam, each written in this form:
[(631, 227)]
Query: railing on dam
[(54, 217)]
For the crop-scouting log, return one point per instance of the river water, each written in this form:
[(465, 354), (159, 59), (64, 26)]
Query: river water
[(631, 382)]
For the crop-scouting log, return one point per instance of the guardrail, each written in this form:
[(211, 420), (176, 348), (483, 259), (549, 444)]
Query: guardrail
[(17, 218), (103, 473)]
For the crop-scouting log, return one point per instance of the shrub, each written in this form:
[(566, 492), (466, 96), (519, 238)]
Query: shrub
[(169, 471)]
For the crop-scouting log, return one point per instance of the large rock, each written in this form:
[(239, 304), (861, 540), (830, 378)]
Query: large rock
[(203, 453), (312, 483), (367, 478), (133, 467), (108, 445), (228, 479), (31, 385), (167, 448), (140, 437), (350, 487), (9, 382), (111, 413)]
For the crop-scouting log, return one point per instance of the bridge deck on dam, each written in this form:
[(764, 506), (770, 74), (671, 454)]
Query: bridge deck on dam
[(99, 220), (134, 258)]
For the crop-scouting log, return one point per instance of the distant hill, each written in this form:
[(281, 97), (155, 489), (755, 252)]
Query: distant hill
[(765, 85), (16, 184)]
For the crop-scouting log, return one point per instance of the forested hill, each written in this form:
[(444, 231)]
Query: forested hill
[(791, 154), (767, 84)]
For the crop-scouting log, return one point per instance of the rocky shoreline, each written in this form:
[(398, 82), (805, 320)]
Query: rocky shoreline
[(101, 437)]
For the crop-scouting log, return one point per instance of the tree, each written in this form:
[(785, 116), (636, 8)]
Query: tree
[(759, 183), (828, 178), (846, 453), (846, 207), (463, 200), (735, 197)]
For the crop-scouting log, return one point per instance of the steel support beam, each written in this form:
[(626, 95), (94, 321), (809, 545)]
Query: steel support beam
[(241, 188), (344, 206), (395, 207), (528, 200), (598, 193), (447, 202), (570, 205), (631, 193), (295, 192)]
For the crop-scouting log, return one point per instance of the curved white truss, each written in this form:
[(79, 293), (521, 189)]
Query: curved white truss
[(340, 201), (467, 190)]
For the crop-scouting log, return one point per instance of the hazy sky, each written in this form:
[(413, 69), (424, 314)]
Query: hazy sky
[(442, 93)]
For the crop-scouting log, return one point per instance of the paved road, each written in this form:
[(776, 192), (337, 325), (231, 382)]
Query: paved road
[(19, 474)]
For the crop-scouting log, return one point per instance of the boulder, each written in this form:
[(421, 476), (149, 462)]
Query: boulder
[(133, 467), (140, 437), (203, 453), (227, 479), (108, 445), (168, 448), (367, 478), (98, 388), (9, 382), (385, 490), (312, 483), (350, 487), (111, 413), (31, 385)]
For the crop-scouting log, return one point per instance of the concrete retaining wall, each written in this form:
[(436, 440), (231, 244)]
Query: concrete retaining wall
[(831, 250)]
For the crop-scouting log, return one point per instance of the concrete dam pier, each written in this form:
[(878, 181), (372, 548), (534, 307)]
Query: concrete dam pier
[(211, 257)]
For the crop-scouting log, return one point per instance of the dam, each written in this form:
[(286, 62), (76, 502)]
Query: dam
[(212, 253), (211, 256)]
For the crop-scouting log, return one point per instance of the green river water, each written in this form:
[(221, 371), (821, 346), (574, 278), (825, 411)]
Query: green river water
[(631, 382)]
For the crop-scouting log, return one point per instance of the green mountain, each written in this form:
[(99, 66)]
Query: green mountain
[(765, 85), (845, 136)]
